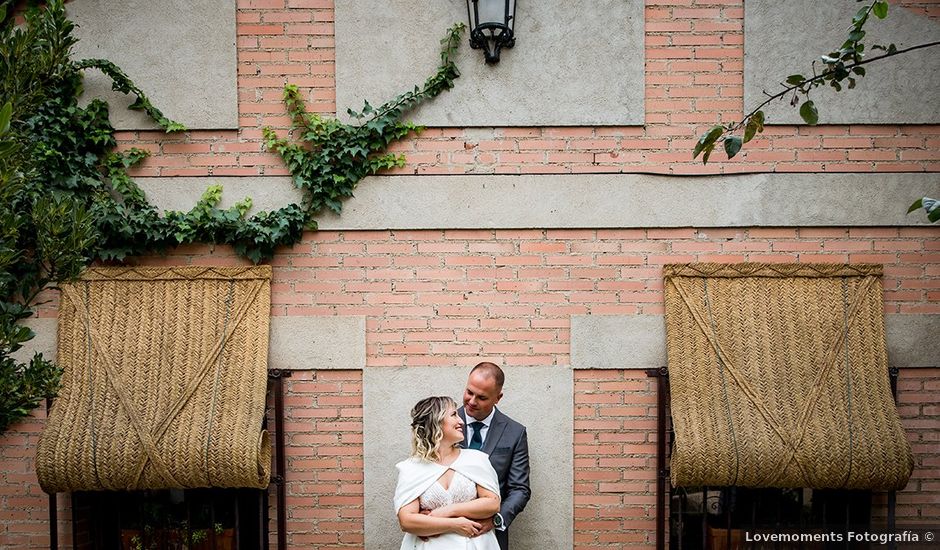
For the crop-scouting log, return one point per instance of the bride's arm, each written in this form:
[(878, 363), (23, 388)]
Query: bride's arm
[(413, 521), (484, 506)]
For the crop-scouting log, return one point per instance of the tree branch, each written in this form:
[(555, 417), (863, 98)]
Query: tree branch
[(826, 73)]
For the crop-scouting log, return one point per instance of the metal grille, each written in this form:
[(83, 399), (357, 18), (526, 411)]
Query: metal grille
[(193, 519), (196, 519), (718, 517)]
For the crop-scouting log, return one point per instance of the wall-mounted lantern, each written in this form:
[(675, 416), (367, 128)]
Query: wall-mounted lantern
[(491, 26)]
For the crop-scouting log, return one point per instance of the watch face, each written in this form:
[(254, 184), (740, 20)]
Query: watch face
[(497, 521)]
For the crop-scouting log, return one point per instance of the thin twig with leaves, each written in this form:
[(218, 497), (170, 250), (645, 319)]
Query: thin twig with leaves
[(843, 67)]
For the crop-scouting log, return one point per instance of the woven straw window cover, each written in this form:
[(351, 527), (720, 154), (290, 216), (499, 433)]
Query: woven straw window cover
[(165, 376), (779, 377)]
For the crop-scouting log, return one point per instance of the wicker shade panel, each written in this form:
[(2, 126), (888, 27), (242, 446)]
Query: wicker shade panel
[(164, 383), (779, 377)]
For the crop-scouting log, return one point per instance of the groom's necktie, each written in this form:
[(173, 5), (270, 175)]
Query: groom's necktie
[(476, 440)]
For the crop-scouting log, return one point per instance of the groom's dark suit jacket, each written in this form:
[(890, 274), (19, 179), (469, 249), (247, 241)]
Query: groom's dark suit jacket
[(508, 447)]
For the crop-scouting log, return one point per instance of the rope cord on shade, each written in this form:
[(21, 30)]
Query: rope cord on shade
[(848, 378)]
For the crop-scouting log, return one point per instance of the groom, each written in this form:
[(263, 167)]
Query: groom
[(504, 439)]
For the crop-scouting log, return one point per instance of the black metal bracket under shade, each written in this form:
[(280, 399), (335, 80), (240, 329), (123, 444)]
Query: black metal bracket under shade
[(278, 476)]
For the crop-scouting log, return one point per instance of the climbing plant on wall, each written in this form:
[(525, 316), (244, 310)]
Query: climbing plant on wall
[(66, 198)]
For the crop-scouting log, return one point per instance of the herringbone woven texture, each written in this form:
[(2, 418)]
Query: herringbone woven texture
[(779, 377), (164, 383)]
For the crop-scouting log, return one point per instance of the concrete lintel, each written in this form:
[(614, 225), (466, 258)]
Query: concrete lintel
[(297, 343), (639, 341), (618, 341), (913, 340), (44, 342), (542, 81), (588, 201), (181, 53), (907, 92), (315, 343)]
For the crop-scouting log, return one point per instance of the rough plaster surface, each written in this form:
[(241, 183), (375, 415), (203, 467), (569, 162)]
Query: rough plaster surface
[(570, 66), (182, 193), (913, 340), (298, 343), (618, 341), (306, 343), (586, 201), (639, 341), (541, 398), (180, 53), (44, 342), (901, 90)]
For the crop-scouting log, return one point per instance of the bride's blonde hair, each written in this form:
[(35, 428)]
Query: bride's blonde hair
[(427, 419)]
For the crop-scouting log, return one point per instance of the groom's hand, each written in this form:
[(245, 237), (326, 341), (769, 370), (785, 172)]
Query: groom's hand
[(486, 526)]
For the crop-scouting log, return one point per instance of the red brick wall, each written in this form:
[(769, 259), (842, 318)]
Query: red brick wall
[(450, 297), (694, 79), (919, 407), (24, 508), (323, 424)]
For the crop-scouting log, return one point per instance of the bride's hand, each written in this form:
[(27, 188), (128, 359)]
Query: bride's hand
[(466, 527)]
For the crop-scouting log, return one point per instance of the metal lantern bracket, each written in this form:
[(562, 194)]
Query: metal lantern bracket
[(491, 30)]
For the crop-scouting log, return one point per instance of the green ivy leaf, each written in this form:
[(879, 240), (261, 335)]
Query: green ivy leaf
[(6, 114), (795, 79), (754, 126), (708, 152), (732, 145), (880, 9), (707, 140), (918, 204), (809, 113)]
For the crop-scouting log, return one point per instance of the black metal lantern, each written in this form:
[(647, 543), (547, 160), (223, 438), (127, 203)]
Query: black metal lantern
[(491, 26)]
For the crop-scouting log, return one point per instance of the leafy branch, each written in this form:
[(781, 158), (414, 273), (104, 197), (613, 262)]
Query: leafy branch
[(66, 198), (843, 67), (120, 82), (332, 157)]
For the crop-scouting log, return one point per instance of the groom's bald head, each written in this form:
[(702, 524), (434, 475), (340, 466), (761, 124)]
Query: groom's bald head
[(490, 370), (484, 390)]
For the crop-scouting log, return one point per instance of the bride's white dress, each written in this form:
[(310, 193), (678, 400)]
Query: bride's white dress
[(419, 479)]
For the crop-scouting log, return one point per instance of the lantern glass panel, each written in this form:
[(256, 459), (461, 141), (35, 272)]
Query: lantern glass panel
[(494, 11)]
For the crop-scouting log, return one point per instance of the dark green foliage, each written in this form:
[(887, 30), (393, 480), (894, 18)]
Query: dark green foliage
[(121, 83), (66, 198), (332, 157)]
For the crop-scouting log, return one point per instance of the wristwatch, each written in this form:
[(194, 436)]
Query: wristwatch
[(498, 523)]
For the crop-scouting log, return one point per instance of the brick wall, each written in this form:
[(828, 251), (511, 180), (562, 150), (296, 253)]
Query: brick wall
[(452, 297), (694, 79), (323, 424)]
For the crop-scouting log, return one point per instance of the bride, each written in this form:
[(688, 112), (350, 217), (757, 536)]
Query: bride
[(443, 489)]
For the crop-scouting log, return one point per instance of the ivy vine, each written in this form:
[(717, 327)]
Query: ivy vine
[(66, 198), (332, 157)]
